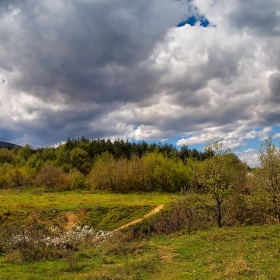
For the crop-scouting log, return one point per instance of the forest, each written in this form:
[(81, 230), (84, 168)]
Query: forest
[(100, 164)]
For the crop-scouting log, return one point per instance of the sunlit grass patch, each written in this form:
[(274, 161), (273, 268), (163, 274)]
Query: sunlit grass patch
[(99, 210), (227, 253)]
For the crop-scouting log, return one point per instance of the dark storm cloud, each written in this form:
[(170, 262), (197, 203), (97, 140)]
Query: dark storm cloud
[(51, 127), (83, 49), (73, 56), (274, 85), (9, 135), (260, 17)]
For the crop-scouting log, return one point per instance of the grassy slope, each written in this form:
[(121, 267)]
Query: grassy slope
[(227, 253), (12, 200), (100, 210)]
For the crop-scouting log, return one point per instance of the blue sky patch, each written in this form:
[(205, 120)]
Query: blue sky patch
[(193, 20)]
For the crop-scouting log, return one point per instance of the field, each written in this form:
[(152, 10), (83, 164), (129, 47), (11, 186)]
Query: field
[(104, 211), (251, 252)]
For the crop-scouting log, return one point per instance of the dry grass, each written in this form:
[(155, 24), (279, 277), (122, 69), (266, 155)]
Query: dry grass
[(71, 220), (236, 267)]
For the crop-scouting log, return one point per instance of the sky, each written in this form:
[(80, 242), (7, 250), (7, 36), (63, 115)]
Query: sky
[(177, 71)]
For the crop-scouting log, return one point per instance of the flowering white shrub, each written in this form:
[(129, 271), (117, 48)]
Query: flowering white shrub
[(58, 238)]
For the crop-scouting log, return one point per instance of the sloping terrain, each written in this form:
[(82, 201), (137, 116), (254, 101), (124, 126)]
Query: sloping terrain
[(139, 220), (7, 145)]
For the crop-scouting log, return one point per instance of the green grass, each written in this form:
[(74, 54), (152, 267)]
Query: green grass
[(227, 253), (14, 199), (251, 252), (100, 210)]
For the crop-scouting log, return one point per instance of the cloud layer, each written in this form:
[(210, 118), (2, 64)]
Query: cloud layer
[(124, 69)]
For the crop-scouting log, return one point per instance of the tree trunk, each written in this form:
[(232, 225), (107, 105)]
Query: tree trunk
[(219, 213)]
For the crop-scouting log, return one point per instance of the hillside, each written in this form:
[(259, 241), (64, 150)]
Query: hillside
[(236, 252), (7, 145)]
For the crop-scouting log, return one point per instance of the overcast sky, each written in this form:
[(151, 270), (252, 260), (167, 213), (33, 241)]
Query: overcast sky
[(180, 71)]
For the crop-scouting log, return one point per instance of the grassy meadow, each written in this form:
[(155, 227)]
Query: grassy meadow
[(104, 211), (239, 252)]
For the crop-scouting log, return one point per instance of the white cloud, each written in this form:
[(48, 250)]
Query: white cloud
[(276, 136), (230, 140), (250, 156), (261, 134)]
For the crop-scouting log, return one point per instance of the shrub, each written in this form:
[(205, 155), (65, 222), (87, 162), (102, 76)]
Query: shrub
[(53, 177), (153, 172), (101, 175), (15, 177), (78, 180), (187, 214), (123, 243), (37, 240)]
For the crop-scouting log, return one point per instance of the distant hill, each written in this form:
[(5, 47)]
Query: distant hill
[(7, 145)]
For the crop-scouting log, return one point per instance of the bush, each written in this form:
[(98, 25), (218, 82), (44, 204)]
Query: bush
[(53, 177), (249, 210), (15, 177), (4, 169), (78, 180), (153, 172), (187, 214), (101, 175), (37, 240), (161, 173)]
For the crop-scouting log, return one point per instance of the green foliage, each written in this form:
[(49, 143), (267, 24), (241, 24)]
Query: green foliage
[(15, 177), (34, 161), (78, 180), (217, 175), (62, 155), (164, 174), (132, 166), (24, 153), (125, 149), (79, 159), (48, 154), (6, 156), (152, 172), (270, 171), (4, 170), (101, 175)]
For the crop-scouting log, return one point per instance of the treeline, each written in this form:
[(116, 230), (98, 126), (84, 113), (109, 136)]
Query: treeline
[(101, 164), (125, 149)]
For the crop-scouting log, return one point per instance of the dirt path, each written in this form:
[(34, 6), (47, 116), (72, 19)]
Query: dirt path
[(154, 211)]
